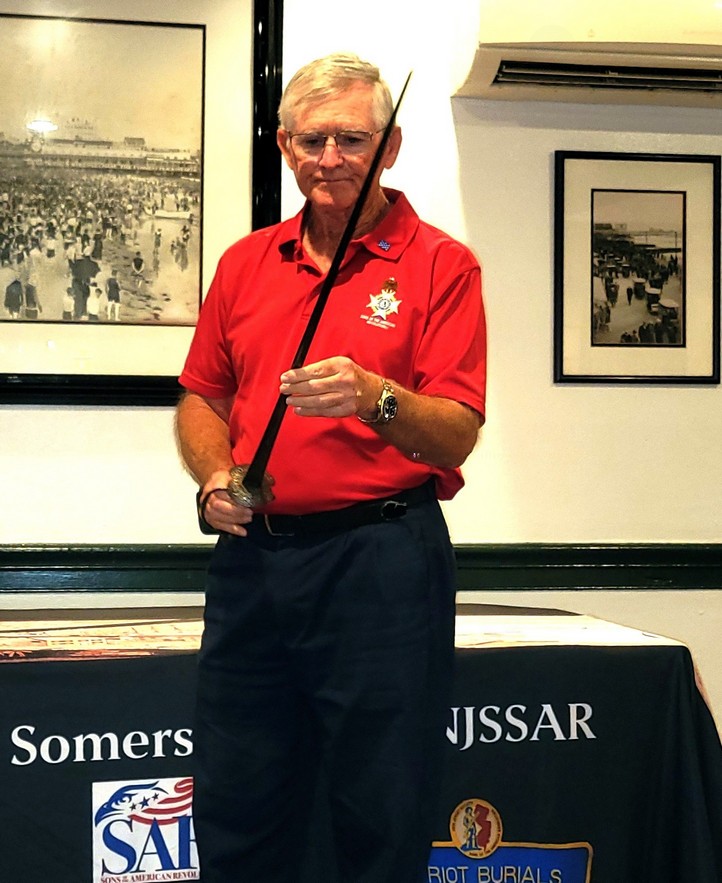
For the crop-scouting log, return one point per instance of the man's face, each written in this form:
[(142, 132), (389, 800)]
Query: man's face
[(332, 180)]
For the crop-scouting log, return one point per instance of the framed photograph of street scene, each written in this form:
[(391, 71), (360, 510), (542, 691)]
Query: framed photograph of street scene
[(636, 268), (110, 158)]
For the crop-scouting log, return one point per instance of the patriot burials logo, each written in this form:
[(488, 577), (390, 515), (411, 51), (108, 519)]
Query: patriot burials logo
[(143, 831), (478, 854)]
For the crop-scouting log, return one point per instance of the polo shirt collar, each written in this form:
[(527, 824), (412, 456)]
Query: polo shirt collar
[(387, 240), (289, 236), (390, 237)]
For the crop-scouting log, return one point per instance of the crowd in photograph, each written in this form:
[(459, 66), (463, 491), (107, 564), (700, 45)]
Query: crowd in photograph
[(69, 245), (643, 275)]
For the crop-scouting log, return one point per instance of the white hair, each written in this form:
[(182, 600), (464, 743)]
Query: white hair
[(328, 76)]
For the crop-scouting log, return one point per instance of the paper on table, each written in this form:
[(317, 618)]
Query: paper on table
[(93, 639), (509, 631)]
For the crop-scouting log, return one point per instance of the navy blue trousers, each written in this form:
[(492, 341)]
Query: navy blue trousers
[(324, 678)]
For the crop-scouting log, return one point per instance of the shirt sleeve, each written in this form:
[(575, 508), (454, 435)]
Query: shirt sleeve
[(208, 370), (451, 360)]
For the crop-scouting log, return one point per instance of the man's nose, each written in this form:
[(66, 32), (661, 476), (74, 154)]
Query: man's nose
[(330, 153)]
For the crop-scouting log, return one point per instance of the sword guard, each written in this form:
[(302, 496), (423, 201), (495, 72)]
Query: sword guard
[(251, 498)]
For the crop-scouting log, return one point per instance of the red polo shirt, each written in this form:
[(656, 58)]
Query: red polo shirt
[(406, 305)]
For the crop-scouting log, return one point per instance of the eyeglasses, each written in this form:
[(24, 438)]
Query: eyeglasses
[(349, 143)]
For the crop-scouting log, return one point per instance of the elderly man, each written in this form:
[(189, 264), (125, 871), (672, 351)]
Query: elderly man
[(328, 644)]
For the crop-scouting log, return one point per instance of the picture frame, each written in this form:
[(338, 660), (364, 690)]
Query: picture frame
[(636, 268), (136, 361)]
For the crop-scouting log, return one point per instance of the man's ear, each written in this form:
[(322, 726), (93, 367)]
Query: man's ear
[(284, 145), (393, 145)]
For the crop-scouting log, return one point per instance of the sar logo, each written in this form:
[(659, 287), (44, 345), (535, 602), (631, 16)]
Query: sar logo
[(143, 830), (382, 305), (475, 828)]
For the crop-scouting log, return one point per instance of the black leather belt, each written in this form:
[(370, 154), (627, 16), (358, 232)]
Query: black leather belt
[(335, 520)]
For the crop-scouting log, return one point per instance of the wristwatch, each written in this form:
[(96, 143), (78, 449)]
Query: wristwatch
[(386, 407)]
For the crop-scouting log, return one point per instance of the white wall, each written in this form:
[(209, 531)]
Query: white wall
[(589, 463), (586, 464)]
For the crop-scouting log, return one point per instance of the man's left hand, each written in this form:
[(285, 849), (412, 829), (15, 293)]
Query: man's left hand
[(335, 387)]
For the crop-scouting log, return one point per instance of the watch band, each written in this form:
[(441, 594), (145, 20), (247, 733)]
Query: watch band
[(386, 406)]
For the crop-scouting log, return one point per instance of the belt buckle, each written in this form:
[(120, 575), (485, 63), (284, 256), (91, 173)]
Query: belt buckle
[(274, 533), (393, 509)]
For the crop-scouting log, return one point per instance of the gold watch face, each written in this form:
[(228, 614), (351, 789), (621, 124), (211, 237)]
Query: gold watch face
[(388, 406)]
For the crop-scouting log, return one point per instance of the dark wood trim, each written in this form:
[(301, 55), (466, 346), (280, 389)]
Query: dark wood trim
[(156, 568), (267, 75), (577, 566), (507, 567)]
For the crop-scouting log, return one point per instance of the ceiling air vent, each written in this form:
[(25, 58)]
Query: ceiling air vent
[(598, 72), (534, 73)]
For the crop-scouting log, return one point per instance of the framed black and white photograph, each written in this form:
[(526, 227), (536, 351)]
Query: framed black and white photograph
[(101, 214), (636, 268)]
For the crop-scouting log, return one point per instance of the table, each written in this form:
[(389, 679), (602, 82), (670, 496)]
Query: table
[(592, 744), (578, 750)]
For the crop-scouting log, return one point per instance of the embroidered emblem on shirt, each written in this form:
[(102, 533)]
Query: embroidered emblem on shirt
[(384, 244), (383, 305)]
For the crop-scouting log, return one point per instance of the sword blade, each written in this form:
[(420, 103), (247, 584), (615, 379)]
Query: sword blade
[(254, 476)]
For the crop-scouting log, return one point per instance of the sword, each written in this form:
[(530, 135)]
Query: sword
[(246, 483)]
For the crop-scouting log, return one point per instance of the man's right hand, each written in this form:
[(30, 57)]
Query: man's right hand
[(220, 511)]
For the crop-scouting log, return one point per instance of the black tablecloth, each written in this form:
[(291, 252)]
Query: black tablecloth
[(589, 763), (640, 781)]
